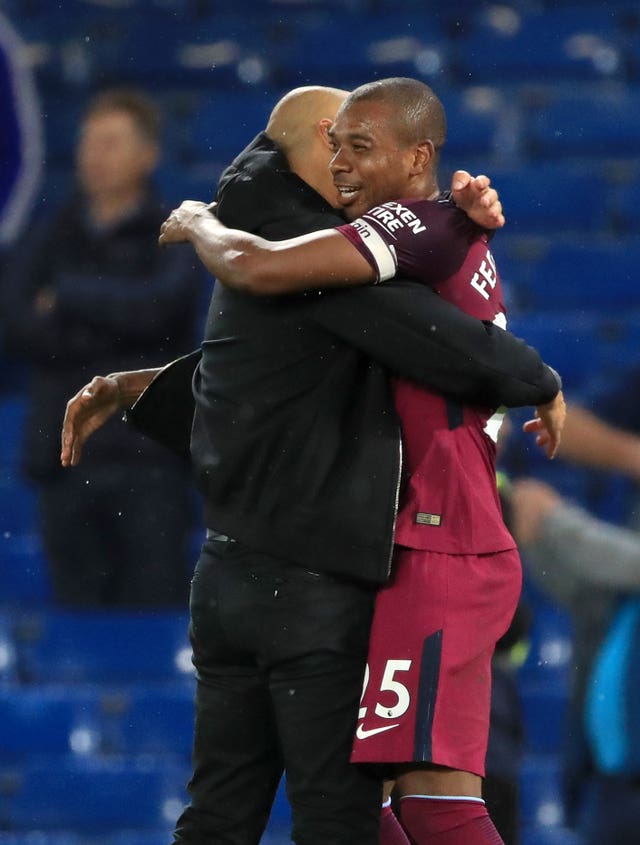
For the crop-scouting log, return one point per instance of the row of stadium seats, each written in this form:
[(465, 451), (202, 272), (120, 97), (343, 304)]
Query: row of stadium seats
[(96, 727), (49, 645), (496, 122), (96, 721), (290, 43)]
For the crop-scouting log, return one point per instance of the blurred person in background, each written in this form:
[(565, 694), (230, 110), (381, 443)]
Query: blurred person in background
[(604, 435), (592, 569), (90, 291)]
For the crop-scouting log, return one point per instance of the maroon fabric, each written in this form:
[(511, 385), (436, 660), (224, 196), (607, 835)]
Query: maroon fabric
[(427, 688), (391, 831), (437, 821), (449, 501)]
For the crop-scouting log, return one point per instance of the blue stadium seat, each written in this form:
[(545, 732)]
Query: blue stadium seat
[(24, 574), (553, 198), (568, 340), (178, 181), (155, 719), (624, 204), (47, 720), (479, 123), (105, 647), (12, 418), (632, 52), (17, 505), (135, 837), (8, 653), (93, 795), (318, 50), (544, 710), (548, 660), (225, 122), (575, 275), (549, 836), (508, 44), (541, 803), (41, 837), (277, 832), (590, 121)]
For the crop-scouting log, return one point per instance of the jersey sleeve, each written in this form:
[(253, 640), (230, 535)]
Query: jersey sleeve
[(380, 255), (422, 239)]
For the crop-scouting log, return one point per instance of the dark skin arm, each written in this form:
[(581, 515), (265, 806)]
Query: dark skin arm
[(95, 403), (252, 264)]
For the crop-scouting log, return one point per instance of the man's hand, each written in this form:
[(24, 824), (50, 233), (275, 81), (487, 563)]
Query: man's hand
[(476, 197), (176, 228), (531, 503), (86, 412), (548, 425)]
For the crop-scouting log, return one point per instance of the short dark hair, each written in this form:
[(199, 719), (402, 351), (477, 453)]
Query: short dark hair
[(421, 114), (141, 108)]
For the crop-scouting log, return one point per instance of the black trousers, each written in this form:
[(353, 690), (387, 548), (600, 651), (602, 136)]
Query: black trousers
[(117, 537), (280, 655)]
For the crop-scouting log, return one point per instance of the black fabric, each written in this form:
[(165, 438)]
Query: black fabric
[(278, 684), (116, 528), (164, 411), (295, 438), (117, 538), (121, 303)]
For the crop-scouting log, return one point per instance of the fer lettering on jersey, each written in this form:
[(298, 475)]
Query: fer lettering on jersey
[(485, 277)]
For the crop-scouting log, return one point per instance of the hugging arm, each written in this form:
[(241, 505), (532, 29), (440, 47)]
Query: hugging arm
[(321, 259), (409, 329)]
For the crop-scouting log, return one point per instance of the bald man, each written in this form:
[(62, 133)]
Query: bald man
[(295, 446)]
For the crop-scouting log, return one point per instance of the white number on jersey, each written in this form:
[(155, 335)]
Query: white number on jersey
[(389, 684)]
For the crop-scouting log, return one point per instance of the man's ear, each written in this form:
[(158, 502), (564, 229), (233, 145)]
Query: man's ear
[(422, 156), (323, 126)]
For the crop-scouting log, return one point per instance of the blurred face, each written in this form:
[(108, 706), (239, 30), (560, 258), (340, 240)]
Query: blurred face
[(370, 163), (113, 157)]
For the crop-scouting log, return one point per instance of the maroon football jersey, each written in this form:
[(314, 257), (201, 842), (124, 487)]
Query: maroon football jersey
[(449, 501)]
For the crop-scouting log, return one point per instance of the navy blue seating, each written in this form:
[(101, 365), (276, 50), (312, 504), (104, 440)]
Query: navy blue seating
[(155, 719), (17, 505), (24, 574), (314, 50), (568, 340), (550, 649), (553, 198), (544, 709), (92, 795), (106, 647), (505, 43), (8, 655), (596, 276), (624, 204), (49, 720), (541, 792), (134, 837), (549, 836), (27, 837), (225, 122), (601, 121), (12, 418), (479, 119)]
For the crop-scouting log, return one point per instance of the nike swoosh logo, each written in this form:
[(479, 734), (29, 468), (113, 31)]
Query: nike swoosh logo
[(361, 733)]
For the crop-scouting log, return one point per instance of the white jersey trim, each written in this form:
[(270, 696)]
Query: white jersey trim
[(383, 254)]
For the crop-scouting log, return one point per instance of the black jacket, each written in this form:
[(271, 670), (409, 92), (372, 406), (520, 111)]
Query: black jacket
[(295, 439), (120, 302)]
